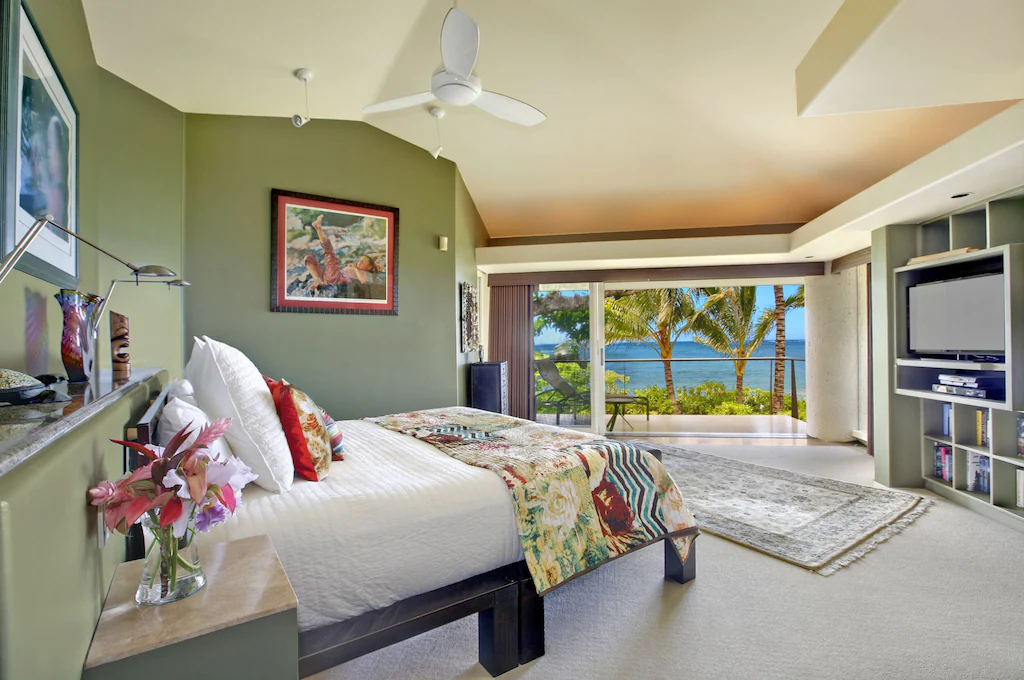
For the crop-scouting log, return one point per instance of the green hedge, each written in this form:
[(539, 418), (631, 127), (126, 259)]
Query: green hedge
[(712, 398), (707, 398)]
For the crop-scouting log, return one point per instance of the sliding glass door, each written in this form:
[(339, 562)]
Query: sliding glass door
[(568, 353)]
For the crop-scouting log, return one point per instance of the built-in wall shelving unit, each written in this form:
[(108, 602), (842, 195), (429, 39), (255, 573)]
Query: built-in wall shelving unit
[(996, 230)]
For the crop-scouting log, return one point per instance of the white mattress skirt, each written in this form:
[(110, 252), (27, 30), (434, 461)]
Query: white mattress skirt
[(395, 519)]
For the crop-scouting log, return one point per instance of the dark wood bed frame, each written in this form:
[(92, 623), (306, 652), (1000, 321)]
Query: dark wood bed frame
[(511, 614)]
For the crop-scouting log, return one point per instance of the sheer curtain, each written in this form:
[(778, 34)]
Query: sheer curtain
[(511, 340)]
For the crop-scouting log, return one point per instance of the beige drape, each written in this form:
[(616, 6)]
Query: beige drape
[(511, 340)]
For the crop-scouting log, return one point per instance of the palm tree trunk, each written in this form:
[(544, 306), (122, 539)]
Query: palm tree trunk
[(779, 388), (670, 386), (741, 368)]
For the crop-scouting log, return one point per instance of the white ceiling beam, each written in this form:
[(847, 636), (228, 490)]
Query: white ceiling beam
[(849, 29)]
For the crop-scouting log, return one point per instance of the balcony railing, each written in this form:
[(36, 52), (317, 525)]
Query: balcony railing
[(579, 396)]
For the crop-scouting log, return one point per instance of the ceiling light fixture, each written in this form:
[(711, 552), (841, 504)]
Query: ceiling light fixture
[(964, 194), (438, 113), (305, 75)]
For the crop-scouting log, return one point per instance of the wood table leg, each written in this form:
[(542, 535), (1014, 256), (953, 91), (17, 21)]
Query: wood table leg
[(499, 632), (677, 570), (531, 622)]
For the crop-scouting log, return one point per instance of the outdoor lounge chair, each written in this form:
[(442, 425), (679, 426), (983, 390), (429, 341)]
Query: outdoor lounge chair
[(564, 397)]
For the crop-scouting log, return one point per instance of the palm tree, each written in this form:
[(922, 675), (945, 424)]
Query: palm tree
[(729, 323), (656, 318), (782, 305)]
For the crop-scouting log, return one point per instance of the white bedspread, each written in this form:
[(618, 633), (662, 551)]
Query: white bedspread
[(395, 519)]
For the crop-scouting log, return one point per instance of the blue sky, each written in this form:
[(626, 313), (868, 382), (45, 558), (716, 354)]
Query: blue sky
[(765, 299)]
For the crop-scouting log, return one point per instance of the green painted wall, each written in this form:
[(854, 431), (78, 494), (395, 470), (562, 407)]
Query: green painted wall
[(468, 228), (142, 210), (130, 198), (352, 365)]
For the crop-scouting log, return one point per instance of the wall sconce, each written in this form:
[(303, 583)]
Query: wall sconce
[(442, 243)]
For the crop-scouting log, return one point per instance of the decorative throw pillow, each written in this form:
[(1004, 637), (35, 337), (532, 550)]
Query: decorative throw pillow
[(305, 430), (228, 385), (177, 414), (337, 439)]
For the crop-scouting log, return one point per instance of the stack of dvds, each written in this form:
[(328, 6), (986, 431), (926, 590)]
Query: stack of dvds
[(977, 386), (979, 473), (943, 462)]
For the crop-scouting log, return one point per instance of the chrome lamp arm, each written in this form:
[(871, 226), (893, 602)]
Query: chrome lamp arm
[(22, 247)]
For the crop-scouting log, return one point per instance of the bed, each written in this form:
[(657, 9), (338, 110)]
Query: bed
[(399, 539)]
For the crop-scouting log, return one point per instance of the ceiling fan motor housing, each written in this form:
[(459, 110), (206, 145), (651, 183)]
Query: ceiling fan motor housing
[(453, 90)]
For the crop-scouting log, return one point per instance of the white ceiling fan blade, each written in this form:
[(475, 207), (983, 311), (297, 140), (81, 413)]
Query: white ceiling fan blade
[(400, 103), (507, 108), (460, 43)]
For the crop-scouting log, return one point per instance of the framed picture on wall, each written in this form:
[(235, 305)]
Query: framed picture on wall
[(40, 152), (470, 314), (332, 256)]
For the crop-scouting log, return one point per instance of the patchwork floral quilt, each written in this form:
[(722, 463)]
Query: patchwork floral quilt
[(580, 499)]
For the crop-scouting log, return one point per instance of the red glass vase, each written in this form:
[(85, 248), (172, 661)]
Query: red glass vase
[(78, 340)]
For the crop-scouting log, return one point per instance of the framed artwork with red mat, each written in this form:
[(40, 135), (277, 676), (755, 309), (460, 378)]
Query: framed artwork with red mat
[(332, 256)]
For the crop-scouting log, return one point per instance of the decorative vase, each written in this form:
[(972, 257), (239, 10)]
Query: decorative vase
[(172, 570), (78, 340)]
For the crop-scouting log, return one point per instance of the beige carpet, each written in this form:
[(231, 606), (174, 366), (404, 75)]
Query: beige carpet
[(945, 600)]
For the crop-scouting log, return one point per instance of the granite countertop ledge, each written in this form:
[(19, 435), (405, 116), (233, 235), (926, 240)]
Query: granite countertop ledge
[(26, 430)]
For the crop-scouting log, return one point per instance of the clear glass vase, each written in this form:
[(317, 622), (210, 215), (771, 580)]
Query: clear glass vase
[(172, 570)]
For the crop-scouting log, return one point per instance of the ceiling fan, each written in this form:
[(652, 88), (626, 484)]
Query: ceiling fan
[(456, 85)]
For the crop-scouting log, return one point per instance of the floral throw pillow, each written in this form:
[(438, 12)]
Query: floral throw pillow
[(305, 430)]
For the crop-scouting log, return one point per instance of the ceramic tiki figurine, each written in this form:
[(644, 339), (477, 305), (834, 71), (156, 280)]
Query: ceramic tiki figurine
[(78, 340), (119, 342)]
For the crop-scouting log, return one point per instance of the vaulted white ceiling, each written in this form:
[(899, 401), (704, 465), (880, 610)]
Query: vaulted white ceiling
[(662, 114)]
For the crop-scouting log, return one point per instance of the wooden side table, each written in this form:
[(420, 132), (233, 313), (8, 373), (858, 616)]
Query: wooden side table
[(242, 624)]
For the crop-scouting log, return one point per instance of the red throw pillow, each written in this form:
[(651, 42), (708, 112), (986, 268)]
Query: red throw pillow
[(305, 430)]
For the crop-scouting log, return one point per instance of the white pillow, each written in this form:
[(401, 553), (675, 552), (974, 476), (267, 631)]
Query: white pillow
[(181, 389), (228, 385), (177, 414)]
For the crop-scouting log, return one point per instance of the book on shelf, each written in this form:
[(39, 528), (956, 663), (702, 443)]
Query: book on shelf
[(1020, 436), (979, 473), (943, 464), (1020, 488), (982, 427), (960, 391), (947, 420)]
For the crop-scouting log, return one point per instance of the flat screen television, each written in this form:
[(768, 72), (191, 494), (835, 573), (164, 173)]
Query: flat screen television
[(962, 316)]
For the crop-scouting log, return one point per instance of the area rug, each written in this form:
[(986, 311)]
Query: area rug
[(816, 523)]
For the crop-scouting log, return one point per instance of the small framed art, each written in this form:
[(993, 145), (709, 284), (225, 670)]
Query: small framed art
[(332, 256), (470, 314)]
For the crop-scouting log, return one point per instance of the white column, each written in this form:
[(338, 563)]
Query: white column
[(833, 392)]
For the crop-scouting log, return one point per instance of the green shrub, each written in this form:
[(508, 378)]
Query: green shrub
[(731, 408), (707, 398)]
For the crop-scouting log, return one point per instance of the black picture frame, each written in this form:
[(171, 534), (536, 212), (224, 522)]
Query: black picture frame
[(280, 301), (10, 59)]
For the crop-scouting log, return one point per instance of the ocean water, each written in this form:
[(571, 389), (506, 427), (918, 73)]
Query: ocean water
[(758, 373)]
